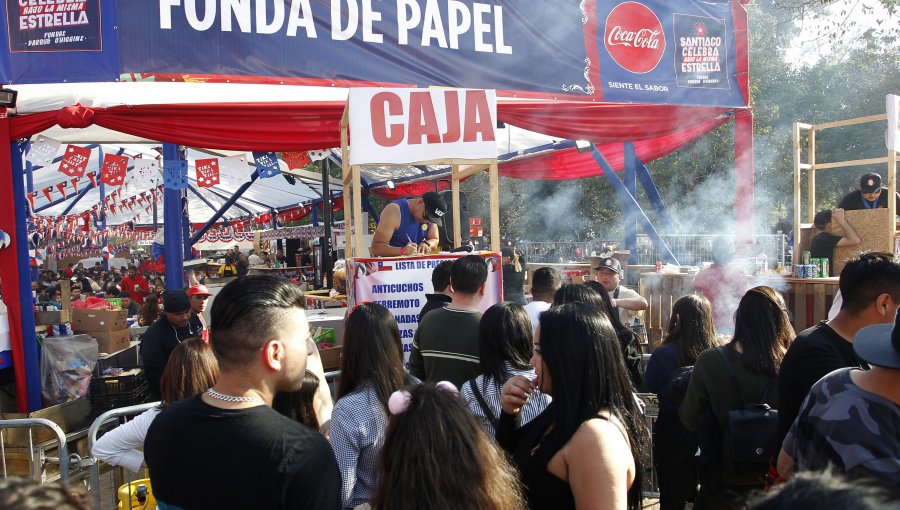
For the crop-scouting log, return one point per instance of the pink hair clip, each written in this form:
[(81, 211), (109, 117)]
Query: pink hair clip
[(447, 386), (399, 402)]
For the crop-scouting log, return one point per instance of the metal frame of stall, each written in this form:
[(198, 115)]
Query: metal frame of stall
[(460, 169), (812, 166)]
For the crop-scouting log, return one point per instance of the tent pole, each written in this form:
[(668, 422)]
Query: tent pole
[(172, 221), (630, 178), (186, 226), (14, 262), (29, 188), (104, 243), (227, 205), (653, 195), (202, 198), (226, 198), (630, 202)]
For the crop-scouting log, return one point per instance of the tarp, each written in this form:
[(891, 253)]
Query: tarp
[(650, 51)]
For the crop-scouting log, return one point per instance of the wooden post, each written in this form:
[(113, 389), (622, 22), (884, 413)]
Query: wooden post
[(358, 226), (494, 180), (892, 187), (811, 198), (797, 178), (345, 171), (454, 185), (65, 294)]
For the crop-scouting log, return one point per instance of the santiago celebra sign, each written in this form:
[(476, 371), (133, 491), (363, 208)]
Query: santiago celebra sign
[(651, 51)]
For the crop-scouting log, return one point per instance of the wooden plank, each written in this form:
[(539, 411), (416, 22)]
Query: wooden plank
[(892, 182), (811, 177), (65, 293), (471, 170), (454, 185), (820, 313), (875, 228), (855, 162), (494, 179), (797, 174), (850, 122), (800, 290), (345, 173), (357, 211)]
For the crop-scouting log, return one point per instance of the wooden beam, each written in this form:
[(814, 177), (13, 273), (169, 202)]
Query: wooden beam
[(454, 185), (798, 154), (811, 178), (855, 162), (345, 174), (306, 174), (462, 173), (892, 186), (494, 180), (358, 225), (850, 122)]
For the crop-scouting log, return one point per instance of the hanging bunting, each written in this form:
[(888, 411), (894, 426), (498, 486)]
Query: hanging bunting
[(48, 192), (296, 160), (93, 178), (114, 169), (74, 182), (266, 164), (61, 186), (31, 197), (43, 151), (175, 174), (317, 155), (207, 172), (74, 161)]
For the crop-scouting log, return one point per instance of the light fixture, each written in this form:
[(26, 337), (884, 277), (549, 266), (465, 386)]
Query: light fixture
[(8, 97), (390, 184), (584, 145)]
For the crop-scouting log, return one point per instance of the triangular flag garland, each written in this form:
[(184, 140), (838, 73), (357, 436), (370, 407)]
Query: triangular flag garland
[(319, 154), (175, 173), (43, 151), (74, 161), (92, 176), (114, 169), (207, 172), (74, 185), (266, 164), (296, 160), (48, 192), (61, 186)]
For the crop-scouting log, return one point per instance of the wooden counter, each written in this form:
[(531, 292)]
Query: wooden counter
[(661, 291)]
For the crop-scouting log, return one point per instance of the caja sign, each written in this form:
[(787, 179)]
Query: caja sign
[(634, 37)]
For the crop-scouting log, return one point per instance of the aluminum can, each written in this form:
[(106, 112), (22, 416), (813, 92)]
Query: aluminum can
[(806, 256), (817, 263), (811, 271), (801, 271), (796, 270), (826, 269)]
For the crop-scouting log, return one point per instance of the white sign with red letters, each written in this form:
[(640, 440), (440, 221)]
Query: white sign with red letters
[(401, 126)]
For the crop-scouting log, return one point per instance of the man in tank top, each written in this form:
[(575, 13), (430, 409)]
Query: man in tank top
[(409, 226)]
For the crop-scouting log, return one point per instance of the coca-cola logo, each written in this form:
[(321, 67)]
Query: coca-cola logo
[(634, 37)]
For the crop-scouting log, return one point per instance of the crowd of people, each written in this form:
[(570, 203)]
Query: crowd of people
[(525, 406)]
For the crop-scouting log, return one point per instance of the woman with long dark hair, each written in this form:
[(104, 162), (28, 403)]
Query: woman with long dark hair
[(587, 448), (371, 370), (690, 332), (514, 275), (191, 370), (436, 457), (149, 311), (747, 366), (504, 350)]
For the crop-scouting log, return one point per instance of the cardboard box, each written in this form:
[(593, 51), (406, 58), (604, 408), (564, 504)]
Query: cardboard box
[(112, 341), (88, 320), (331, 358)]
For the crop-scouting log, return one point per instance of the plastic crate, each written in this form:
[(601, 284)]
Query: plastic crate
[(112, 392)]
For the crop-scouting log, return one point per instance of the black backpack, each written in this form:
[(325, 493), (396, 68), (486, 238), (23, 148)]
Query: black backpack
[(675, 387), (752, 428)]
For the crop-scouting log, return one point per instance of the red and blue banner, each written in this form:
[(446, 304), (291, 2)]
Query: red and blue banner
[(649, 51)]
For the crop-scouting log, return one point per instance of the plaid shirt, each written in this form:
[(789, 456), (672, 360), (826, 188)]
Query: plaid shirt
[(490, 391)]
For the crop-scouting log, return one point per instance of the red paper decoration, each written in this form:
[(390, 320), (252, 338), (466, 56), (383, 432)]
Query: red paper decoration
[(74, 161), (114, 169)]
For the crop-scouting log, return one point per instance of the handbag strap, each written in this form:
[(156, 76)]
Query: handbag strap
[(734, 379), (484, 407)]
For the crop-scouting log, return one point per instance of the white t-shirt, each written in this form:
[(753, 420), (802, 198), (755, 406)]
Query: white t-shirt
[(254, 260), (534, 309), (627, 316)]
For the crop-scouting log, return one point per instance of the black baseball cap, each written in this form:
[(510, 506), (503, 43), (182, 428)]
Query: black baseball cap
[(609, 263), (176, 301), (870, 182), (435, 207), (879, 345)]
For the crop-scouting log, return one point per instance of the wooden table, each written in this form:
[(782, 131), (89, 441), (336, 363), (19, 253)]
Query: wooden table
[(807, 299)]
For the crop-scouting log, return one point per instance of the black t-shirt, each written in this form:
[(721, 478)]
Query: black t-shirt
[(822, 247), (201, 456), (815, 353), (854, 201)]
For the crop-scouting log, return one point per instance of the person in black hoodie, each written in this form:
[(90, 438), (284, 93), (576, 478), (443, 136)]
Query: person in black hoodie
[(440, 280)]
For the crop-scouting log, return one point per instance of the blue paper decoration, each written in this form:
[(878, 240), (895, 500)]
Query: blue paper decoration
[(175, 174), (266, 164)]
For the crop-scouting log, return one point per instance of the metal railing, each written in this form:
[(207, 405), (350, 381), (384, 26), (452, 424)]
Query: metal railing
[(38, 460)]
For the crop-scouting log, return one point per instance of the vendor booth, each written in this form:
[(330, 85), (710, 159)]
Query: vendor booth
[(588, 85)]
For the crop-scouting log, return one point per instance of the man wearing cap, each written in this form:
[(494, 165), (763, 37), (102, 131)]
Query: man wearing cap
[(609, 273), (850, 422), (199, 295), (823, 244), (409, 226), (870, 195), (163, 335)]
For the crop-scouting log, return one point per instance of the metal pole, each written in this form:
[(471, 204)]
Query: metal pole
[(227, 205), (327, 200), (172, 219), (104, 262)]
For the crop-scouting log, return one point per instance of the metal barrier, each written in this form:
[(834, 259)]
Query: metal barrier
[(102, 420), (37, 452)]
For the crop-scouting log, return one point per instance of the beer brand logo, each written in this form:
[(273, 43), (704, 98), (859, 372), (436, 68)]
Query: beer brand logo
[(634, 37), (439, 213)]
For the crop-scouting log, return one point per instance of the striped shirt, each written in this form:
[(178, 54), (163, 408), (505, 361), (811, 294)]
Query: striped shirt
[(358, 427), (490, 391), (445, 346)]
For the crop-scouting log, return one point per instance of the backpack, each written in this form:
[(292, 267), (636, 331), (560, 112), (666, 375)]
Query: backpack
[(752, 428), (675, 387)]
